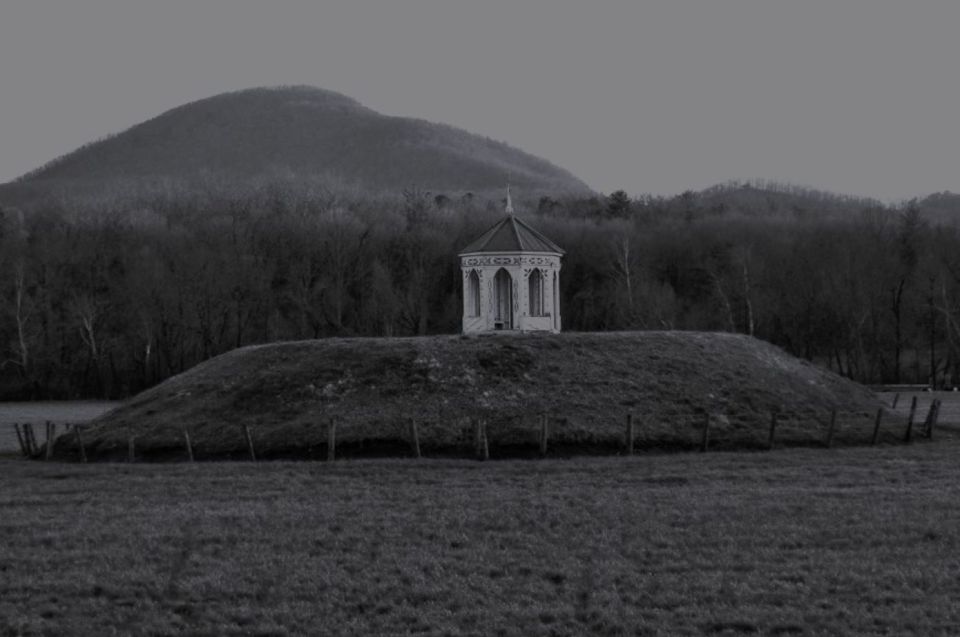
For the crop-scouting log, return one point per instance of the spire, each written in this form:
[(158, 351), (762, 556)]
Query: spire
[(509, 209)]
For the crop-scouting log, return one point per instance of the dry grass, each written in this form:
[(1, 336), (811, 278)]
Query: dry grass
[(287, 392), (852, 541)]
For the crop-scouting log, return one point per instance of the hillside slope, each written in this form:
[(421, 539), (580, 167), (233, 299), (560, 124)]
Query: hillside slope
[(584, 382), (296, 132)]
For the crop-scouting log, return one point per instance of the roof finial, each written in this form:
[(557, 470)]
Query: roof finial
[(509, 208)]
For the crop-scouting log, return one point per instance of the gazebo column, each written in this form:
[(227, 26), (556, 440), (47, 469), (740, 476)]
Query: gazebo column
[(548, 290)]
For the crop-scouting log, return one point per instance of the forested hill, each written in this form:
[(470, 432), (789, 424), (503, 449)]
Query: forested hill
[(292, 133), (105, 298)]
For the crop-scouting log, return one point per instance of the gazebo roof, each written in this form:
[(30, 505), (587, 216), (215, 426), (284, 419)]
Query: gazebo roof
[(511, 234)]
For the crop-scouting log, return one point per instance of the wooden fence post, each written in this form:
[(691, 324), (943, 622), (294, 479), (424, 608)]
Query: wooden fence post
[(37, 450), (23, 444), (773, 430), (932, 417), (414, 438), (332, 439), (246, 434), (131, 450), (83, 450), (34, 445), (629, 436), (544, 434), (876, 427), (896, 399), (51, 434), (705, 441), (30, 439), (907, 437), (189, 445), (831, 428)]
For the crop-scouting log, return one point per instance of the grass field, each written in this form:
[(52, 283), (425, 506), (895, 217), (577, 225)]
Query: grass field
[(794, 542)]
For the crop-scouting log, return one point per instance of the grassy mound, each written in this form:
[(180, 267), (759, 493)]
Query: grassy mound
[(287, 393)]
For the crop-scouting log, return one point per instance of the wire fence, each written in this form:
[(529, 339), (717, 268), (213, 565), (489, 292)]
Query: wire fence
[(904, 419)]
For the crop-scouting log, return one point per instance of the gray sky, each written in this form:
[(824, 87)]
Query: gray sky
[(860, 97)]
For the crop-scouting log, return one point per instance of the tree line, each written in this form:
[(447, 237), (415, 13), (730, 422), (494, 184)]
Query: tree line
[(106, 297)]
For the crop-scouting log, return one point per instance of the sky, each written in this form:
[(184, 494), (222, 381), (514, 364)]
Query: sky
[(854, 96)]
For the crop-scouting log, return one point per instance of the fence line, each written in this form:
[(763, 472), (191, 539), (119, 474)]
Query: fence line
[(708, 435)]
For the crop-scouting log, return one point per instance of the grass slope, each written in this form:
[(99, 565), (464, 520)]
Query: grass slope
[(585, 382), (794, 542), (298, 131)]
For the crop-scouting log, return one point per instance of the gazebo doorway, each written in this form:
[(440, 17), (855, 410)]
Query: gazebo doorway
[(502, 301)]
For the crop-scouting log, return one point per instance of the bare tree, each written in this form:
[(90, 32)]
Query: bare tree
[(22, 314)]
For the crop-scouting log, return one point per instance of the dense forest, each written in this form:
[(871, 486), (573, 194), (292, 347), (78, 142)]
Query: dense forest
[(104, 297)]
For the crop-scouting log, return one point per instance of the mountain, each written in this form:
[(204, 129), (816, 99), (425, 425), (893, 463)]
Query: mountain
[(296, 132)]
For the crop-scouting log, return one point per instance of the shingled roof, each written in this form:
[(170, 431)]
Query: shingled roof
[(511, 234)]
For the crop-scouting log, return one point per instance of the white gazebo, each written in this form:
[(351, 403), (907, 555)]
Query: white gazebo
[(511, 279)]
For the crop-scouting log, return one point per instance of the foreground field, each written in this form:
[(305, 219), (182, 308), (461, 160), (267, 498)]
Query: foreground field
[(802, 541)]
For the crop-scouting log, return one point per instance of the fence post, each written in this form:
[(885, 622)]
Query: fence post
[(186, 440), (831, 428), (246, 434), (23, 444), (544, 434), (332, 439), (83, 450), (629, 436), (29, 439), (414, 438), (51, 431), (876, 427), (896, 399), (34, 445), (932, 417), (773, 430), (913, 412), (705, 441)]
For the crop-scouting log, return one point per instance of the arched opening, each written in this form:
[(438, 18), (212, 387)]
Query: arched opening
[(535, 287), (502, 301), (473, 294)]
